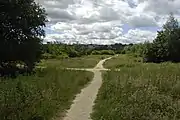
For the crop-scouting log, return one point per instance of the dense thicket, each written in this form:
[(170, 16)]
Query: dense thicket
[(21, 29)]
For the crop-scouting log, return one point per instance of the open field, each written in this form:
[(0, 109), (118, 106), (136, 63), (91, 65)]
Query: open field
[(40, 96), (81, 62), (139, 91)]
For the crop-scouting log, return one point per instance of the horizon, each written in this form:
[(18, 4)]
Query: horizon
[(106, 22)]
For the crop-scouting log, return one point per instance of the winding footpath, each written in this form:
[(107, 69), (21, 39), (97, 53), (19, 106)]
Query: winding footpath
[(83, 104)]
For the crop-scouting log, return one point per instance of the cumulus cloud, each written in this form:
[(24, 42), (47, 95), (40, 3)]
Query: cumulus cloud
[(132, 36), (163, 6), (101, 21), (138, 35), (142, 20)]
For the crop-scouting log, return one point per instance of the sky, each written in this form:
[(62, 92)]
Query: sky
[(106, 21)]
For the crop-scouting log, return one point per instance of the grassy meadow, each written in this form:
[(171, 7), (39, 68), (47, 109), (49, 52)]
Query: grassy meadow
[(123, 60), (42, 96), (79, 62), (139, 91)]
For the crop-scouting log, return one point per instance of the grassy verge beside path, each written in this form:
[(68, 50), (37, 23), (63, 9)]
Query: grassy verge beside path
[(139, 92), (81, 62), (40, 96), (122, 61)]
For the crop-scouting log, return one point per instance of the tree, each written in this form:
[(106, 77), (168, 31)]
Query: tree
[(172, 29), (171, 24), (21, 29), (166, 46)]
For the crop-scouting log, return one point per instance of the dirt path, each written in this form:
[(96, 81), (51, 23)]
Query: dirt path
[(83, 103)]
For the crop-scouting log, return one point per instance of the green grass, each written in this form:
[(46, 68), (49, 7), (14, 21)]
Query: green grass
[(81, 62), (41, 96), (139, 92), (122, 61)]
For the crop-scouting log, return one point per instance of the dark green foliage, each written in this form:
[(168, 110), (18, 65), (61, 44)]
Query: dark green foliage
[(148, 55), (123, 52), (158, 51), (21, 26), (166, 46), (53, 50), (137, 49)]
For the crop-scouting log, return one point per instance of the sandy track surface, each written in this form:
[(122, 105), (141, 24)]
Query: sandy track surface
[(83, 103)]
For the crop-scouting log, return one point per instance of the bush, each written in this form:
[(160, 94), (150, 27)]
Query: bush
[(123, 52), (48, 56), (107, 52), (95, 52), (73, 54)]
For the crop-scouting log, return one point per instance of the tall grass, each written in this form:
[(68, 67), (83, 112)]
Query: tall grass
[(140, 92), (123, 61), (80, 62), (41, 96)]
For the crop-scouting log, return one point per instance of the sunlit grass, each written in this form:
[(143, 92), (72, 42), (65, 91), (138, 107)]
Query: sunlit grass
[(80, 62), (139, 92), (122, 61), (42, 96)]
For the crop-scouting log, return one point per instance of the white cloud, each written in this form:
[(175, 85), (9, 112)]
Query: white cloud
[(135, 36), (60, 26), (141, 20), (163, 6), (138, 35), (101, 21)]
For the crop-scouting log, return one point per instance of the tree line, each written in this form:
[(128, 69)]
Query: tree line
[(56, 49)]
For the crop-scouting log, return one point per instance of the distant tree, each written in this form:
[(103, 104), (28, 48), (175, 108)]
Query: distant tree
[(21, 29)]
